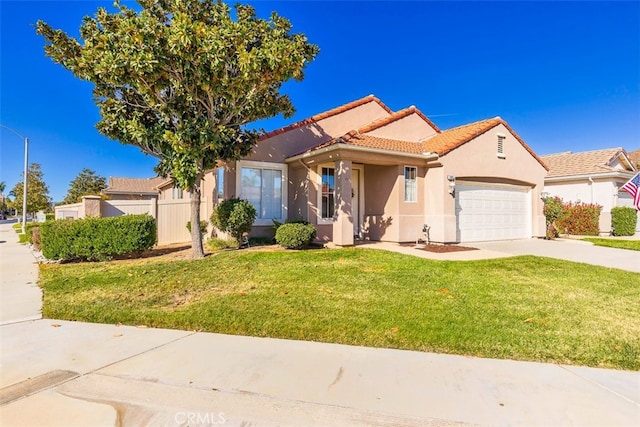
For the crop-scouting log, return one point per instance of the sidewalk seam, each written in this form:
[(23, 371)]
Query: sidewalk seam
[(596, 383)]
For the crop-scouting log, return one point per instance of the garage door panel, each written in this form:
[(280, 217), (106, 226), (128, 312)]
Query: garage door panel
[(485, 212)]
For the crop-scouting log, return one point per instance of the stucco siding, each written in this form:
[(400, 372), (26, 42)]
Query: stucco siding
[(411, 128), (295, 141), (478, 160)]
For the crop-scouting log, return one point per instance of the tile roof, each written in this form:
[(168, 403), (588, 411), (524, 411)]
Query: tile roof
[(326, 114), (369, 141), (634, 156), (448, 140), (133, 185), (587, 162)]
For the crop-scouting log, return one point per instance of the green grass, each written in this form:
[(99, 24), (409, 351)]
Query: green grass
[(633, 245), (525, 308)]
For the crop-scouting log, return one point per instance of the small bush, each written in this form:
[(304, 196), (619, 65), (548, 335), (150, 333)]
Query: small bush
[(35, 239), (295, 235), (203, 227), (97, 238), (553, 208), (234, 216), (50, 217), (624, 221), (220, 244), (580, 219)]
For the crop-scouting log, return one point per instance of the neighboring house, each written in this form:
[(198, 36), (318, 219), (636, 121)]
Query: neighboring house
[(364, 171), (133, 188), (591, 177), (634, 156)]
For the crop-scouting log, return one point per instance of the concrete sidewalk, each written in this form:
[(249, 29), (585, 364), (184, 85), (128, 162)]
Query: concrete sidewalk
[(59, 373), (91, 374), (21, 298)]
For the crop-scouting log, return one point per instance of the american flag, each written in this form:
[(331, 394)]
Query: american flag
[(633, 187)]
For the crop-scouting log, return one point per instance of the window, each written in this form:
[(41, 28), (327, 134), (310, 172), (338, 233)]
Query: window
[(328, 193), (410, 184), (176, 193), (501, 146), (262, 185), (220, 184)]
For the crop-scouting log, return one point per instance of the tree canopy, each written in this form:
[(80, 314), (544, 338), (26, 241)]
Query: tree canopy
[(181, 79), (86, 183), (37, 191)]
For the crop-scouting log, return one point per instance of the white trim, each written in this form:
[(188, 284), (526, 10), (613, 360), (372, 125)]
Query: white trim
[(404, 182), (318, 182), (283, 168)]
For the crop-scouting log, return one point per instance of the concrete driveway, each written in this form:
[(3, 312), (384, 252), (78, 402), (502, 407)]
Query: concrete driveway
[(566, 249)]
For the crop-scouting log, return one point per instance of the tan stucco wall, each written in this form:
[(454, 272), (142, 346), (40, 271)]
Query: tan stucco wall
[(477, 160), (298, 193), (279, 147), (410, 128)]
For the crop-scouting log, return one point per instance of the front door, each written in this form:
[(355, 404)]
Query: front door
[(355, 201)]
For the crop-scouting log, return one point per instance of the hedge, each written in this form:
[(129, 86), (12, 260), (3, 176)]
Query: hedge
[(295, 235), (97, 238), (580, 219), (234, 216), (623, 221)]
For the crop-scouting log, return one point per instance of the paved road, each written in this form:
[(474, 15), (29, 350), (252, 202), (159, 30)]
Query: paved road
[(78, 374)]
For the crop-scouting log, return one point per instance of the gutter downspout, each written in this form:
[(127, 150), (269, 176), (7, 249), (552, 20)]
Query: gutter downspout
[(591, 185)]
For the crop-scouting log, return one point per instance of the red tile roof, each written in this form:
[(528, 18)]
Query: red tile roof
[(325, 115), (133, 185), (448, 140), (370, 141)]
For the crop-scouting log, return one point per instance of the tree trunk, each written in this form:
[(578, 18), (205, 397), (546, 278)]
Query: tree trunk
[(197, 251)]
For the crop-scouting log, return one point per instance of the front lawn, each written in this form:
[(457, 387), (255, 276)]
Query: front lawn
[(633, 245), (525, 308)]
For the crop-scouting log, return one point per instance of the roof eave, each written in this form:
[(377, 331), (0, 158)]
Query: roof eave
[(585, 176), (347, 147)]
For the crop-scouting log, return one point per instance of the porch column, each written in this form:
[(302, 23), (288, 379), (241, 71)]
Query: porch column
[(343, 222)]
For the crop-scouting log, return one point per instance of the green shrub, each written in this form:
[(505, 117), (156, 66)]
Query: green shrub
[(295, 235), (234, 216), (624, 221), (553, 208), (580, 219), (216, 244), (36, 241), (50, 217), (97, 238), (203, 227), (28, 236)]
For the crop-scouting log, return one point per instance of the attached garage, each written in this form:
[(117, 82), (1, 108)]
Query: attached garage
[(492, 212)]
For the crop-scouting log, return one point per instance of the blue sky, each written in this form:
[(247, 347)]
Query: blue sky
[(564, 75)]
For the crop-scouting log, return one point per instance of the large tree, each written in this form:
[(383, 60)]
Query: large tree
[(37, 191), (181, 79), (87, 183)]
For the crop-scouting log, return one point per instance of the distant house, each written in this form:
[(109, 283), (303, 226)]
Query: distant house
[(591, 177), (133, 188)]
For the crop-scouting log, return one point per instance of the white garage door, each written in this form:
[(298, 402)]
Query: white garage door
[(492, 212)]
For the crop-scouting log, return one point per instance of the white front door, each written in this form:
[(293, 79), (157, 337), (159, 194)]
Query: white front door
[(355, 201)]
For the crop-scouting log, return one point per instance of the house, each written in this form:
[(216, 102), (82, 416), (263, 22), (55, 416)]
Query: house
[(133, 188), (591, 177), (634, 156), (363, 171)]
